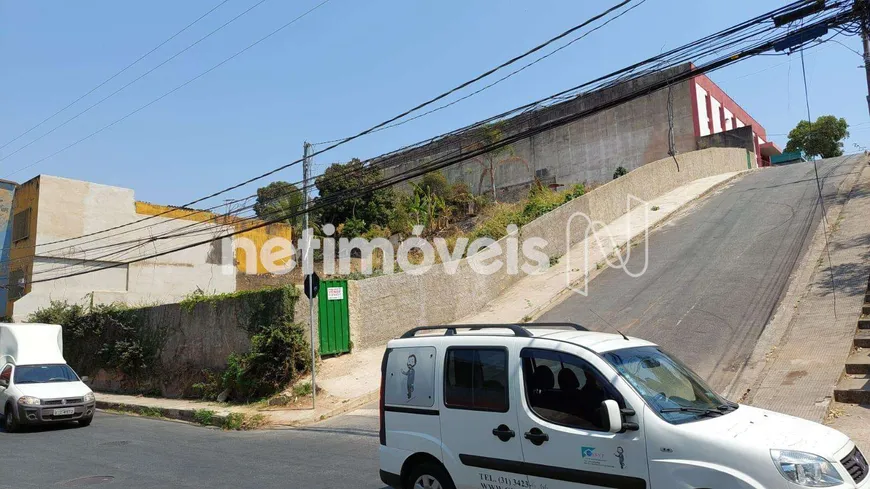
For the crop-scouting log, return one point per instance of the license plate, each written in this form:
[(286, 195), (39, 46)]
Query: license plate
[(64, 411)]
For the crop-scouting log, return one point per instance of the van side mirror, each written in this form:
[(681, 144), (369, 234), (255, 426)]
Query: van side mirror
[(85, 378), (612, 418), (4, 383)]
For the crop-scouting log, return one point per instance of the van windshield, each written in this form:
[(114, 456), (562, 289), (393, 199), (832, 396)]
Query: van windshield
[(670, 388), (42, 374)]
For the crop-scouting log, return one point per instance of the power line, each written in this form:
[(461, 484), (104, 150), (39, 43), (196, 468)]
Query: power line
[(107, 97), (118, 73), (431, 166), (339, 143), (726, 34)]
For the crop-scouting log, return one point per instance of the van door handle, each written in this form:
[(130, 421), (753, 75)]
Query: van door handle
[(503, 432), (537, 437)]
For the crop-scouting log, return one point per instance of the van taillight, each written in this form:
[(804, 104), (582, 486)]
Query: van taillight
[(383, 427)]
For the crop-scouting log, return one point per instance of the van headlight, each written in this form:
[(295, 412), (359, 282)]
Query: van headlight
[(28, 401), (806, 469), (89, 398)]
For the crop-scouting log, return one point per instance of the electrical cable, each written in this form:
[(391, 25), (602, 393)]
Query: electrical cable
[(711, 66), (118, 73), (197, 211), (343, 141), (123, 87)]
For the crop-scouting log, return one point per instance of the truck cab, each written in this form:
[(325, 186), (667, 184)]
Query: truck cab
[(36, 384), (553, 406)]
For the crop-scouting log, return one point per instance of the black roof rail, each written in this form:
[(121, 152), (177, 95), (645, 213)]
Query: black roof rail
[(573, 326), (520, 330), (451, 329)]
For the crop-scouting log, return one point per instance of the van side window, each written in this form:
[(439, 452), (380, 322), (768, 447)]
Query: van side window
[(476, 379), (564, 389)]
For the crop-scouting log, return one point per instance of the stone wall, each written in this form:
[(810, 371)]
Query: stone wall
[(381, 308), (200, 337)]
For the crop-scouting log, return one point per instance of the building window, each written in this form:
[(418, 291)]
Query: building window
[(476, 379), (16, 284), (21, 225)]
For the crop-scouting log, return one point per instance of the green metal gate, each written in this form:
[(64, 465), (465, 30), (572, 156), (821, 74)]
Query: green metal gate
[(333, 317)]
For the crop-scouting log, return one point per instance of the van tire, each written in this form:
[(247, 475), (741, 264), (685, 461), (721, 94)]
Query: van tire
[(10, 422), (433, 477)]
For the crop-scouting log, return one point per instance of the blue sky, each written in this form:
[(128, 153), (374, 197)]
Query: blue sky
[(347, 65)]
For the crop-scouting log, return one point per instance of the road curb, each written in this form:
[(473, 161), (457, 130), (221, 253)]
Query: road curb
[(560, 296), (187, 415)]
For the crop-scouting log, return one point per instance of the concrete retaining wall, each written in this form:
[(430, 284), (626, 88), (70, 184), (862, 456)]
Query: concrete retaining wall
[(381, 308)]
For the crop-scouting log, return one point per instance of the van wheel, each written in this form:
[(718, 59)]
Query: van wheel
[(10, 423), (429, 476)]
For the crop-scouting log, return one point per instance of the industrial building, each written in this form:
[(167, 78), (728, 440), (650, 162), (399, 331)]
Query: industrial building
[(687, 116)]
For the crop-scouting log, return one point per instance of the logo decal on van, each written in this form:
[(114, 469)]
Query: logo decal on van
[(588, 452)]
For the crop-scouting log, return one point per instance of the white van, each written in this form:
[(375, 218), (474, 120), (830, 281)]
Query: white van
[(552, 406), (36, 384)]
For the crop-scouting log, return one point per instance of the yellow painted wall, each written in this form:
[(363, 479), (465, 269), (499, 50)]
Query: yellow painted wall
[(257, 236), (21, 252)]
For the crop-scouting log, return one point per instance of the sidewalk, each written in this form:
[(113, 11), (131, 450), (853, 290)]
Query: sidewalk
[(350, 381), (802, 359)]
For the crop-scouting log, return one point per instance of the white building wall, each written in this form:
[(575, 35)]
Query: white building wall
[(715, 107), (71, 208), (703, 115), (729, 123)]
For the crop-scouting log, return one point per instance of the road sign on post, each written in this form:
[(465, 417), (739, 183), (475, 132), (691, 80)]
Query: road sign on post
[(312, 285)]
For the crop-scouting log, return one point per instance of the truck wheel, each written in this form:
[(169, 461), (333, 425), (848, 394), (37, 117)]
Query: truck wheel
[(429, 476), (85, 421), (10, 423)]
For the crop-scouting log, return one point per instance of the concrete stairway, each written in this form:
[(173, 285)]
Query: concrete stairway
[(854, 386)]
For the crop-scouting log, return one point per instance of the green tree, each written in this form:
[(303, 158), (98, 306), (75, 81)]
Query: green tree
[(823, 138), (338, 188), (620, 171), (278, 199), (488, 135)]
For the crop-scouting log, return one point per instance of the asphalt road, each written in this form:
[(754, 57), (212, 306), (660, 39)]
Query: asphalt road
[(140, 453), (716, 272)]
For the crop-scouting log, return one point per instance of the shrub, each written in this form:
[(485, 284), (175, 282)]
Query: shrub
[(620, 171), (204, 416), (110, 336)]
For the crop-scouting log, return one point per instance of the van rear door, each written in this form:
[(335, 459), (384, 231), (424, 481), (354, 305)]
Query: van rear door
[(479, 424)]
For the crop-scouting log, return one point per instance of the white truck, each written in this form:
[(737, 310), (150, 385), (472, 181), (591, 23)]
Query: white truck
[(553, 406), (36, 384)]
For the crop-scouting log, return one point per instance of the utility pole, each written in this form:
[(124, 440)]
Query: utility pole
[(866, 37), (306, 177)]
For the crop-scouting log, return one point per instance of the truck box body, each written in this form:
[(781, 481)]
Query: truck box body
[(31, 344)]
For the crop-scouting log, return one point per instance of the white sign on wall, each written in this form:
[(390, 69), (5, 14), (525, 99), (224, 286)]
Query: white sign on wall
[(335, 293)]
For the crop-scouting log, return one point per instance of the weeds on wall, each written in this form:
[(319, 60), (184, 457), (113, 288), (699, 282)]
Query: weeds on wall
[(109, 336), (279, 350), (115, 338)]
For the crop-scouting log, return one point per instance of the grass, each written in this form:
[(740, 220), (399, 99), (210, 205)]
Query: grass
[(302, 390), (204, 416), (151, 412), (526, 319), (655, 208), (243, 422)]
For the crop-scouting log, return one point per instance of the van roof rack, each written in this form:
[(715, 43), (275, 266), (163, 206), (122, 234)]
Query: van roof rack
[(520, 330)]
